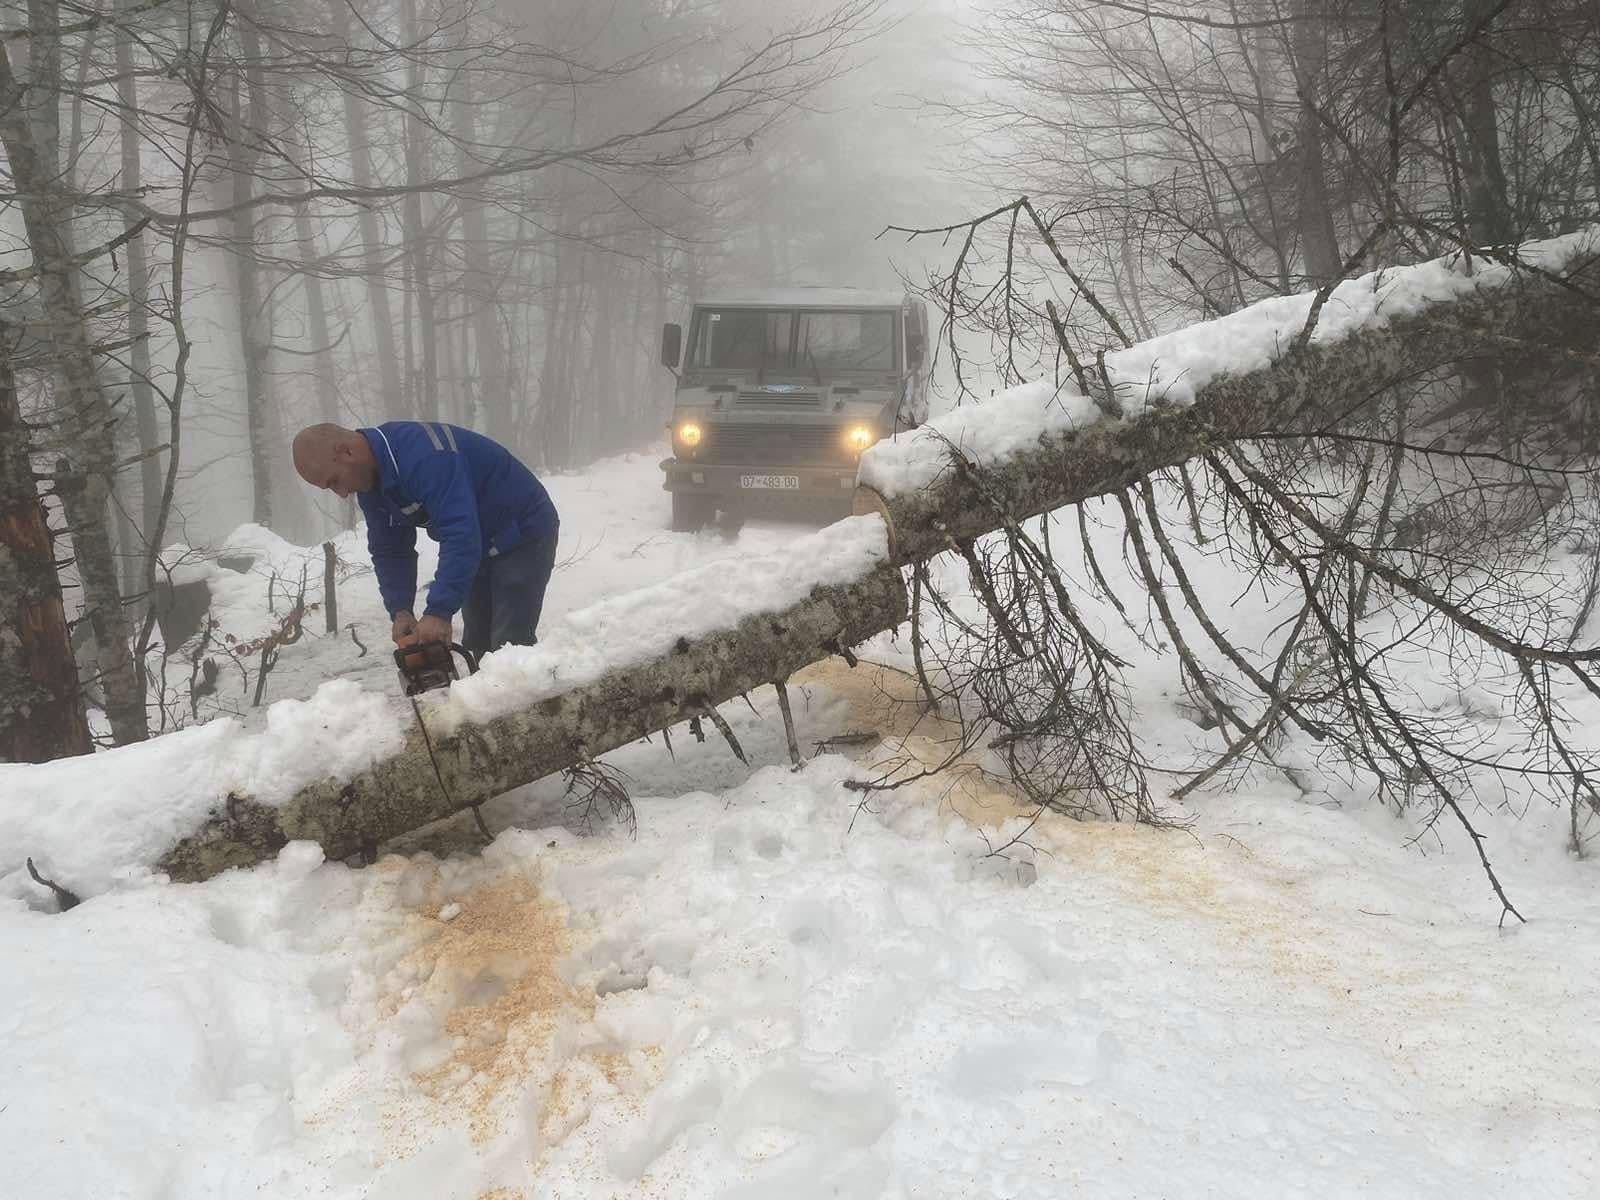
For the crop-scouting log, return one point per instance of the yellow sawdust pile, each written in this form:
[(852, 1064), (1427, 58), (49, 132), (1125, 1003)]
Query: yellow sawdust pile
[(493, 970)]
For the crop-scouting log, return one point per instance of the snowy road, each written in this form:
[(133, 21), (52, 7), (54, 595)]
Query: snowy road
[(774, 992)]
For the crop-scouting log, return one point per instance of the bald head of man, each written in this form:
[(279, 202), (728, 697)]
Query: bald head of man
[(335, 458)]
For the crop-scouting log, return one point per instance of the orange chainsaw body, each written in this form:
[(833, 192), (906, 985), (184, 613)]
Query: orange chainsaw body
[(424, 666)]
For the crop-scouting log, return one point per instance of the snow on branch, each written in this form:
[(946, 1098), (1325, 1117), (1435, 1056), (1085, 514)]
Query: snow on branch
[(1236, 376)]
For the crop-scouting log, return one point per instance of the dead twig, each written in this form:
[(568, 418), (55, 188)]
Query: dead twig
[(597, 782), (64, 896)]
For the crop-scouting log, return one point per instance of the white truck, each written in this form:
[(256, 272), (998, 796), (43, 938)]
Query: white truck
[(778, 393)]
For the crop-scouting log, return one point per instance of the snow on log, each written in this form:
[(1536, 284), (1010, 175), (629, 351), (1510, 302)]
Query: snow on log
[(348, 768), (1221, 380), (480, 759)]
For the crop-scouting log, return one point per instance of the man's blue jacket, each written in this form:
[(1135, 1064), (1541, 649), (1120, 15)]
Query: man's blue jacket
[(471, 495)]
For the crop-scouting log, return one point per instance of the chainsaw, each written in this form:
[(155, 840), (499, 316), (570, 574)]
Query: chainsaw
[(425, 666)]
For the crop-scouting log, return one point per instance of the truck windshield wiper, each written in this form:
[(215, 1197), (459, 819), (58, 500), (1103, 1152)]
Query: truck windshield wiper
[(810, 359)]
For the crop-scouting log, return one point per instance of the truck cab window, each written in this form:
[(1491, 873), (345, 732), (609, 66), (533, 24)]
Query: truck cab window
[(742, 339), (847, 341)]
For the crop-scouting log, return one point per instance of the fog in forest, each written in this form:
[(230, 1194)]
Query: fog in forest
[(481, 213), (255, 216)]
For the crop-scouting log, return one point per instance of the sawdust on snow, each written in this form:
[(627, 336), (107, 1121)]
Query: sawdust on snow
[(495, 973), (1170, 869), (516, 1037)]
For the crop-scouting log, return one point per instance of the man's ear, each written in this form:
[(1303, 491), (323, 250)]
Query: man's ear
[(342, 452)]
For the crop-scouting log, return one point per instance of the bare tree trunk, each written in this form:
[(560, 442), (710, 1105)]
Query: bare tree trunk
[(1488, 213), (1318, 240), (1488, 217), (144, 405), (554, 399), (417, 241), (41, 705), (87, 429), (255, 337), (408, 343), (383, 341), (488, 378), (316, 317), (606, 427)]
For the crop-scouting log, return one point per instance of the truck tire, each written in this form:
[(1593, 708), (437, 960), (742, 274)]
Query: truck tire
[(691, 511)]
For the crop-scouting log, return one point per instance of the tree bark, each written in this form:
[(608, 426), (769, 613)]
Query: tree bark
[(41, 706), (27, 111)]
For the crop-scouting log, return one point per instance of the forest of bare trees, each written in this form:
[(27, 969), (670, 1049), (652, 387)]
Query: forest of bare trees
[(1197, 157), (226, 219)]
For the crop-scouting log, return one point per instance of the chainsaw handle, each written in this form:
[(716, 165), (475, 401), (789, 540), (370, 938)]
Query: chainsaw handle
[(468, 656)]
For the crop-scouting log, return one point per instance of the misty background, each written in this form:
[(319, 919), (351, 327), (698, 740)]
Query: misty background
[(482, 211), (492, 208)]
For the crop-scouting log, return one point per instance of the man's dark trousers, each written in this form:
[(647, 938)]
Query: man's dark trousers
[(507, 595)]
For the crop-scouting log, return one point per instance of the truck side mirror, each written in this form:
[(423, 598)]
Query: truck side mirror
[(914, 348), (671, 345)]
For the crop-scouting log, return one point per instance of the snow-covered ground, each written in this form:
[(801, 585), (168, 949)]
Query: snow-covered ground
[(773, 990)]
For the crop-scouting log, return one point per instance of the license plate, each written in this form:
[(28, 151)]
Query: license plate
[(782, 483)]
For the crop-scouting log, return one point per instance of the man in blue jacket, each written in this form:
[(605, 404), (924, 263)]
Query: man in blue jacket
[(494, 522)]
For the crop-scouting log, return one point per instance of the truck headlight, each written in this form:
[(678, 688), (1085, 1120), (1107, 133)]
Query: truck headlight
[(860, 437), (688, 434)]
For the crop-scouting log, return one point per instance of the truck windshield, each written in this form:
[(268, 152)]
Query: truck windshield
[(752, 338), (856, 341)]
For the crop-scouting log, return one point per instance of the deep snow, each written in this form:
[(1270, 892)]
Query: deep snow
[(775, 991)]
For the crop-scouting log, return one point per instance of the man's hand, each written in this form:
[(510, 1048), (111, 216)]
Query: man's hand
[(433, 629), (405, 625)]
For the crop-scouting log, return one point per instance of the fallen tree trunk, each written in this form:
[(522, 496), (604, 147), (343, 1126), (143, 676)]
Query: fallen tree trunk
[(1535, 316), (480, 762)]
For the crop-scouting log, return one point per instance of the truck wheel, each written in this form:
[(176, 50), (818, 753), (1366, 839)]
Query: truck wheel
[(691, 511)]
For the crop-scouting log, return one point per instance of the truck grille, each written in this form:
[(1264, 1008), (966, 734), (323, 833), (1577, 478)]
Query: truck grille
[(782, 400), (798, 445)]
